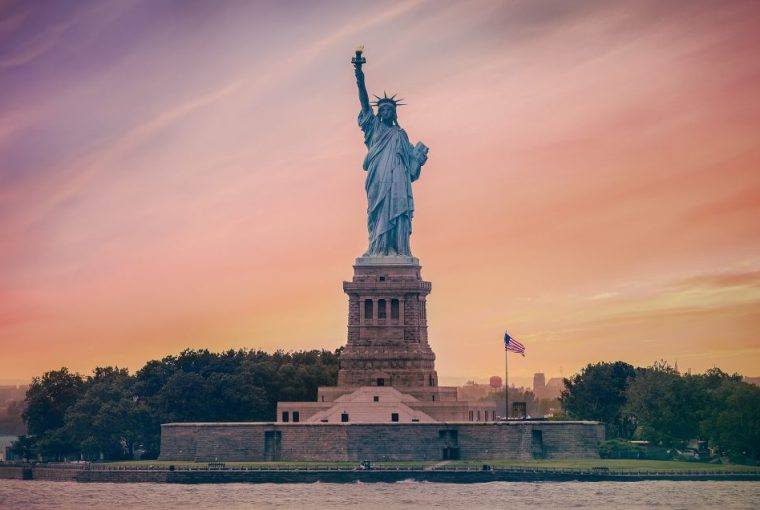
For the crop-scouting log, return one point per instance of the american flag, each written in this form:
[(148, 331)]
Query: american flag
[(513, 345)]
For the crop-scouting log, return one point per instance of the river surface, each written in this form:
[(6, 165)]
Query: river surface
[(33, 495)]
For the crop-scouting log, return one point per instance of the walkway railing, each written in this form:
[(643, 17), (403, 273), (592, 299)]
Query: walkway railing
[(219, 466)]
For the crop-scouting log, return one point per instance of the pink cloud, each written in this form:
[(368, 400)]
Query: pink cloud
[(201, 185)]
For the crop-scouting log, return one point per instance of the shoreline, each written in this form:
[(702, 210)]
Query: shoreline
[(351, 475)]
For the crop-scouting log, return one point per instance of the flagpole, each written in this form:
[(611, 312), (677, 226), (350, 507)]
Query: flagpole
[(506, 383)]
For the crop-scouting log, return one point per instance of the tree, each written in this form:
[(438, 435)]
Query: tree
[(12, 420), (669, 408), (734, 421), (48, 398), (108, 420), (532, 406), (23, 448), (112, 412), (599, 393), (654, 398), (56, 444), (183, 398)]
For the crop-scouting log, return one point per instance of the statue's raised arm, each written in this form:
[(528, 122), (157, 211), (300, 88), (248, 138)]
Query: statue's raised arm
[(392, 163), (358, 60)]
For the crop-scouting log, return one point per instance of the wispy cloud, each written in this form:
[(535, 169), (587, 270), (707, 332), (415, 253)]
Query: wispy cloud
[(593, 167), (721, 292), (31, 31), (36, 47), (72, 177), (603, 295)]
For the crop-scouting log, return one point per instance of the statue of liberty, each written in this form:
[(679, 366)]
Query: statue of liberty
[(392, 164)]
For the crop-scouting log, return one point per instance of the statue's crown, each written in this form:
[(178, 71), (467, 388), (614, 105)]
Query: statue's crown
[(387, 100)]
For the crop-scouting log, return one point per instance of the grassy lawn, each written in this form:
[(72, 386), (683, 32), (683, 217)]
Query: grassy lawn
[(274, 465), (188, 463), (611, 464)]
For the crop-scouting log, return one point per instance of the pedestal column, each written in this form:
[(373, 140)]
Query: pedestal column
[(390, 348)]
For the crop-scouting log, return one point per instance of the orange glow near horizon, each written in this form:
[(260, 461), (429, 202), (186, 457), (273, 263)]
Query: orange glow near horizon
[(189, 175)]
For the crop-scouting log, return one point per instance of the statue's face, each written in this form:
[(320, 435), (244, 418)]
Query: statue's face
[(386, 112)]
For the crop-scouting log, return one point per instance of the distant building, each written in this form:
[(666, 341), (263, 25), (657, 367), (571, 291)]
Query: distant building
[(473, 391), (495, 382), (554, 388), (547, 390), (10, 393), (5, 446), (11, 407), (539, 384)]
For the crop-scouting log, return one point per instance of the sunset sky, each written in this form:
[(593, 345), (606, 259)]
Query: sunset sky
[(182, 174)]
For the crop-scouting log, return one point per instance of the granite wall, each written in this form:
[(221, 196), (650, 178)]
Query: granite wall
[(394, 441)]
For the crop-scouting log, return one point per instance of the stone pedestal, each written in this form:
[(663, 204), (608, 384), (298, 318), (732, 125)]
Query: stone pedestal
[(387, 327), (387, 368)]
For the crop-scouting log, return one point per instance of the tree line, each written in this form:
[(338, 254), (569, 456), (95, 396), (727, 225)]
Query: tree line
[(113, 414), (534, 407), (660, 405)]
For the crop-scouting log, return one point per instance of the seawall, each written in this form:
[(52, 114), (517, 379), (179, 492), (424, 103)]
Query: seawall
[(202, 475)]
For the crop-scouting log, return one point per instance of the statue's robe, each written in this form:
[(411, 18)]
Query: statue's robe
[(391, 167)]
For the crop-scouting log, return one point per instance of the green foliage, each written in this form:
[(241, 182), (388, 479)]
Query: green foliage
[(108, 418), (533, 407), (48, 398), (23, 448), (619, 449), (670, 407), (599, 393), (733, 423), (655, 398), (113, 414), (667, 408)]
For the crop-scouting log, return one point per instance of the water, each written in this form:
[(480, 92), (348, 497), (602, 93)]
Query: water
[(34, 495)]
